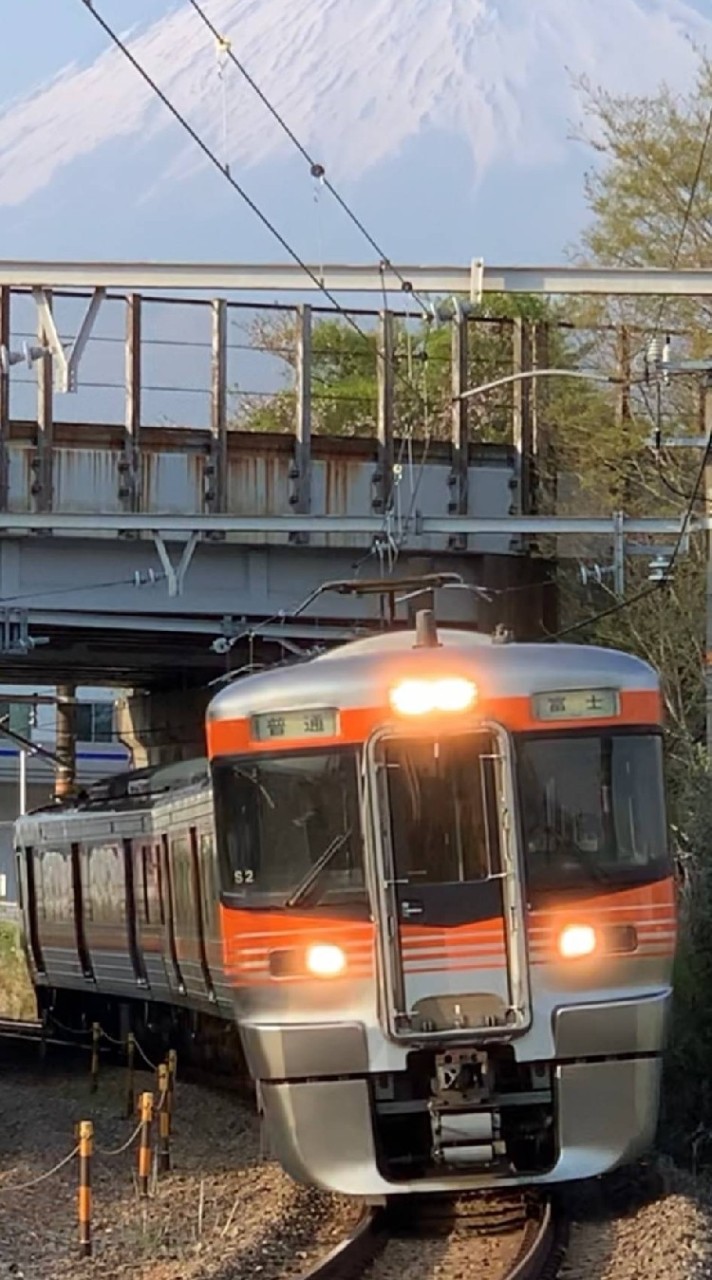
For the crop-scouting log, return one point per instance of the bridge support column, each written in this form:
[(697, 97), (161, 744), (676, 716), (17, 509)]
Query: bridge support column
[(163, 727), (66, 744)]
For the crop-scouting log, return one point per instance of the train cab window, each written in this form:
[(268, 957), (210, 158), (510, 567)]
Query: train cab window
[(288, 829), (592, 809), (442, 801)]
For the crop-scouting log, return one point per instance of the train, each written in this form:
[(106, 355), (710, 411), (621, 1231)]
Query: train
[(419, 893)]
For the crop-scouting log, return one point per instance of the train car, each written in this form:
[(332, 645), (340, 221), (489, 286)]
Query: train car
[(120, 905), (429, 883)]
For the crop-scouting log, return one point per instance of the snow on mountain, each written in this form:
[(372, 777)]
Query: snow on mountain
[(361, 81)]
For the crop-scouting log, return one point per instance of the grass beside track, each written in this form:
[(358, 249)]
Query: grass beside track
[(17, 998)]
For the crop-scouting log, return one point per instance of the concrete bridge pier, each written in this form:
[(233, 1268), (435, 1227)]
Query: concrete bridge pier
[(164, 726)]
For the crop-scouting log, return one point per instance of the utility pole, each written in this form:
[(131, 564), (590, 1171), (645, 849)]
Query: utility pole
[(66, 744)]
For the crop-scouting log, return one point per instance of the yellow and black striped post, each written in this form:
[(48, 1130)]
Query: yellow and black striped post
[(130, 1067), (86, 1148), (95, 1039), (164, 1120), (144, 1149)]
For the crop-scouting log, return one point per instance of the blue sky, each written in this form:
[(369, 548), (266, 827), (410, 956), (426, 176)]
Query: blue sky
[(472, 159), (41, 36)]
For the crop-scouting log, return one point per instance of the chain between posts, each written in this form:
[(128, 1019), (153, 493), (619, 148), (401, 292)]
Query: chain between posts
[(85, 1148)]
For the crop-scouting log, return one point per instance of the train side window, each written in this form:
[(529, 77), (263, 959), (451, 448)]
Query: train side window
[(148, 894), (158, 863), (208, 880), (107, 883), (182, 880), (57, 892)]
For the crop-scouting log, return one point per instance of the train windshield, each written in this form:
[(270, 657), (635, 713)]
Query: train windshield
[(289, 829), (592, 809), (442, 798)]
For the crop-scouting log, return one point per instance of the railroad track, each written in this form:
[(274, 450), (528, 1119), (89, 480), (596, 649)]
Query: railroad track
[(412, 1237)]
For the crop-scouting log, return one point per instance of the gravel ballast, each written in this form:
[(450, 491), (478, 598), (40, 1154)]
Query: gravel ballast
[(453, 1257), (222, 1213), (669, 1238)]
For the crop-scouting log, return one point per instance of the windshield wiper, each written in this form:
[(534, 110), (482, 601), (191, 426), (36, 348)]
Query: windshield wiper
[(314, 873)]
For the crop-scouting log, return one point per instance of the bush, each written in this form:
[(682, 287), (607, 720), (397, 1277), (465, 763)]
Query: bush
[(686, 1116), (17, 998)]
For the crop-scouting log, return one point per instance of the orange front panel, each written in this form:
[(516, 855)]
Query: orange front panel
[(250, 936), (651, 909), (232, 737)]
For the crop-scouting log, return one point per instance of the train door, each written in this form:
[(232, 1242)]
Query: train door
[(446, 884), (135, 952), (28, 902), (51, 873), (150, 916), (210, 897), (170, 923), (79, 925), (106, 907), (199, 912), (188, 925)]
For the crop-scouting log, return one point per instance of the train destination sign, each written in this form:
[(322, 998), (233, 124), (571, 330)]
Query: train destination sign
[(577, 704), (318, 722)]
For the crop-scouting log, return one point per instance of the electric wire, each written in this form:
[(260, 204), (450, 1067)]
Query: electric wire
[(652, 587), (215, 161), (224, 170), (649, 589), (316, 169)]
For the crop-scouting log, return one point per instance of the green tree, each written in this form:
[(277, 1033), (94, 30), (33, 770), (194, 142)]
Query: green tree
[(344, 373), (650, 199)]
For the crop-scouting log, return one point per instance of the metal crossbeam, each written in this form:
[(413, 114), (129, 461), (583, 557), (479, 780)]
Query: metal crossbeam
[(466, 279), (422, 526)]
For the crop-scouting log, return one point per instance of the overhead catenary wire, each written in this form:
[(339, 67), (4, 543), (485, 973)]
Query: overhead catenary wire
[(216, 162), (224, 170), (316, 169), (649, 589), (652, 587)]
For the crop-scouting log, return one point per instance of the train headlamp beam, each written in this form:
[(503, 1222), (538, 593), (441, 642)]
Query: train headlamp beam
[(324, 960), (577, 940), (419, 697)]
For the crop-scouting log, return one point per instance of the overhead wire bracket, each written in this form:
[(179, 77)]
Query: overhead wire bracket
[(175, 574), (477, 281), (66, 359)]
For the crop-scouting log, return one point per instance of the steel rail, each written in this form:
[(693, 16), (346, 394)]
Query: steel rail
[(352, 1255)]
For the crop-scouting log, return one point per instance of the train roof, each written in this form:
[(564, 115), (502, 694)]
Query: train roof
[(134, 788), (358, 673)]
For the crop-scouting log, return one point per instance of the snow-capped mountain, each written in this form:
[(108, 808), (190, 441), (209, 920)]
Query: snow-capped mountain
[(461, 106)]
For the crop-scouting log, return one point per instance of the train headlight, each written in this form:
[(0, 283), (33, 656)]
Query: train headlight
[(577, 940), (418, 697), (325, 961)]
